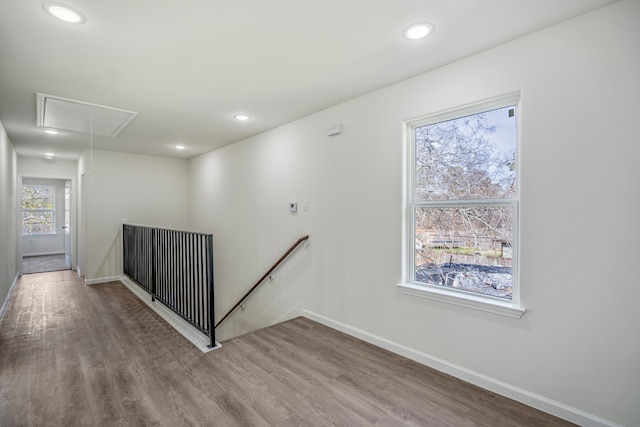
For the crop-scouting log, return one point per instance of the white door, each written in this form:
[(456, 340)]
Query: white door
[(67, 224)]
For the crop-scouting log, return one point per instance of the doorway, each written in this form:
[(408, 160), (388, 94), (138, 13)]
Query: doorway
[(46, 224)]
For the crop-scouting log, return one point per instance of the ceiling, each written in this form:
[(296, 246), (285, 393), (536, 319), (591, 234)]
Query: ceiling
[(187, 67)]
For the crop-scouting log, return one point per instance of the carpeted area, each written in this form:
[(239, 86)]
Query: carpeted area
[(42, 264)]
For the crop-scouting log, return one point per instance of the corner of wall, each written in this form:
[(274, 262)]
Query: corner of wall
[(9, 263)]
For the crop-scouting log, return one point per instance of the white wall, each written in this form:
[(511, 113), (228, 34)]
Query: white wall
[(241, 194), (8, 217), (43, 168), (145, 190), (577, 347)]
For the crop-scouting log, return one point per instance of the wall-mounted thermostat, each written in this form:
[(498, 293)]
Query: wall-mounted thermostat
[(293, 207)]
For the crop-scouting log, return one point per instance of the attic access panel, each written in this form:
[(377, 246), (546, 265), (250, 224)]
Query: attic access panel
[(69, 114)]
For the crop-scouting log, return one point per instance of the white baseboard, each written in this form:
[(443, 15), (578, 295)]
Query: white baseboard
[(99, 280), (6, 300), (534, 400), (42, 254), (196, 337)]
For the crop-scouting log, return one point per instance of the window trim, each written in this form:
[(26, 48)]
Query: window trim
[(487, 303), (52, 210)]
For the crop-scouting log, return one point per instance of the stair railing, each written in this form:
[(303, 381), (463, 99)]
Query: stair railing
[(267, 274), (175, 268)]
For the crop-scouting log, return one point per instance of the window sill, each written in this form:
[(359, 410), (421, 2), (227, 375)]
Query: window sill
[(464, 300)]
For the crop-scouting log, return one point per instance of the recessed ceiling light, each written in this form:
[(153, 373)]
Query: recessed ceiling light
[(242, 117), (52, 131), (418, 31), (48, 156), (63, 12), (179, 146)]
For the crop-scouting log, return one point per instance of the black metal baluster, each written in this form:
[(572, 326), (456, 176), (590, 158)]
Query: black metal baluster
[(162, 279), (152, 262), (180, 292), (209, 284), (192, 283), (174, 279), (199, 283)]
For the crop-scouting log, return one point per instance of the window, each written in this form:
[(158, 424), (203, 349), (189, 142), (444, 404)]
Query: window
[(37, 210), (462, 206)]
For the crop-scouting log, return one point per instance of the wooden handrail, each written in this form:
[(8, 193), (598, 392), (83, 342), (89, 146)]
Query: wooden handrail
[(282, 258)]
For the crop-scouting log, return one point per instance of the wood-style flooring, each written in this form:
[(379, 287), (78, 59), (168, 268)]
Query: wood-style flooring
[(75, 355)]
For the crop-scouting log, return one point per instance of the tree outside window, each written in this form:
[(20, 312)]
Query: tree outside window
[(37, 210), (464, 201)]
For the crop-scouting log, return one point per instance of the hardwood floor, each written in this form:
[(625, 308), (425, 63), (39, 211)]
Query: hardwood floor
[(95, 355)]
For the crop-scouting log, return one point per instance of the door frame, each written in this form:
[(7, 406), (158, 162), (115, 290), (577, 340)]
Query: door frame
[(68, 237), (73, 215)]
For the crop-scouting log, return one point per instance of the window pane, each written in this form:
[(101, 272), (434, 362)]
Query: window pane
[(468, 248), (36, 197), (37, 222), (472, 157), (37, 209)]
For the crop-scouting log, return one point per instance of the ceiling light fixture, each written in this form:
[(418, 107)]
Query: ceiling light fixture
[(418, 31), (242, 117), (63, 12), (179, 147), (48, 156), (52, 131)]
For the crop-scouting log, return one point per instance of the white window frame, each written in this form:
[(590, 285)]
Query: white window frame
[(511, 308), (52, 210)]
